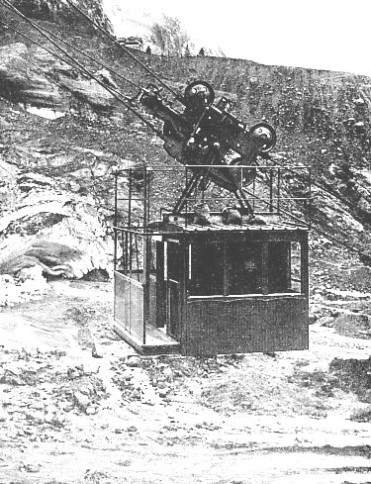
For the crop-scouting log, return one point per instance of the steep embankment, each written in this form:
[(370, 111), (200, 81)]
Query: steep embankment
[(56, 184)]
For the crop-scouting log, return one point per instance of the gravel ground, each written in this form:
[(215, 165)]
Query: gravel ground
[(80, 406)]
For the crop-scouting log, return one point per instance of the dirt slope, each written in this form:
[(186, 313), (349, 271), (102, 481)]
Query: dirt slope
[(70, 418)]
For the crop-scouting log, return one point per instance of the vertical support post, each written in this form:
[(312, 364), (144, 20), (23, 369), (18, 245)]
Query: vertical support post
[(129, 201), (265, 267), (115, 250), (146, 274), (130, 255), (253, 191), (145, 198), (225, 268), (115, 226), (271, 191), (186, 204), (203, 184), (278, 189), (148, 184), (187, 280), (189, 260), (129, 221), (125, 264), (309, 222), (183, 287), (160, 286), (304, 256), (146, 254), (288, 281)]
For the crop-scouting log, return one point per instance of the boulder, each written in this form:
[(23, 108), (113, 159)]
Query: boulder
[(57, 231), (20, 81), (353, 325), (71, 247)]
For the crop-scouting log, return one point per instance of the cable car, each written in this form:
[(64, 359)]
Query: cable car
[(196, 272), (206, 280)]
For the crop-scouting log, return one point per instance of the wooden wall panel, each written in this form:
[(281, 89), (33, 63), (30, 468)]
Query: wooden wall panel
[(228, 325)]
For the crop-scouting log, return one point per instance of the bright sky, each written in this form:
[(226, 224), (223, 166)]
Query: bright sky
[(321, 34)]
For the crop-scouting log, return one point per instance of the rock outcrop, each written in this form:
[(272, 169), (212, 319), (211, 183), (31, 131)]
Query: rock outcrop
[(57, 220), (33, 77), (60, 11)]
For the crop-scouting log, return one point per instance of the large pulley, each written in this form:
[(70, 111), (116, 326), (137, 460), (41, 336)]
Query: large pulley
[(199, 94), (264, 136)]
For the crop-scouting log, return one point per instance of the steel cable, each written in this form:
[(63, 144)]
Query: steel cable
[(123, 99), (127, 51), (101, 64)]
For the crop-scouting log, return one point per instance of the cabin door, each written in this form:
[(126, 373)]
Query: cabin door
[(173, 263)]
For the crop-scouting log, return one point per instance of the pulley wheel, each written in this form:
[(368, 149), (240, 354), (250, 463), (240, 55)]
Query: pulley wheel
[(198, 91), (266, 136)]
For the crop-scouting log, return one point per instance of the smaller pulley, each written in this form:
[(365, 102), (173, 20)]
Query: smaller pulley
[(264, 135)]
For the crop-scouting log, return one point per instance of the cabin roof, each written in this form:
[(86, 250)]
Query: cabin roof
[(243, 228), (191, 228), (215, 223)]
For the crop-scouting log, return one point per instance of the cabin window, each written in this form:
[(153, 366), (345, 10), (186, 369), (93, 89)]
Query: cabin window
[(244, 268), (207, 268), (239, 267), (279, 267), (296, 267), (173, 260), (284, 267)]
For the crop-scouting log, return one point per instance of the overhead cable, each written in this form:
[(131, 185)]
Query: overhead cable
[(123, 99), (127, 51), (93, 59)]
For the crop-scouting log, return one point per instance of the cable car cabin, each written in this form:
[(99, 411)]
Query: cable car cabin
[(205, 289)]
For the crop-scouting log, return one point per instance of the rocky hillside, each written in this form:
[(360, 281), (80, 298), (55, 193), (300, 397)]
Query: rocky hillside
[(62, 135)]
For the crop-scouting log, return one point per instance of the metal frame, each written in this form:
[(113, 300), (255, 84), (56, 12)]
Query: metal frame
[(181, 205)]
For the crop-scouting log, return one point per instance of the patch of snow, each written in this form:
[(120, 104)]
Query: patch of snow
[(355, 294), (46, 113), (366, 174)]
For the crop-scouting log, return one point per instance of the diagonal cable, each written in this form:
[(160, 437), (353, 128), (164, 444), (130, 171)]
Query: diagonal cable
[(93, 59), (127, 51), (123, 99)]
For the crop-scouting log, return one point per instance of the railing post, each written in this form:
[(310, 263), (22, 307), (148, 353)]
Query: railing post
[(278, 189), (310, 198)]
